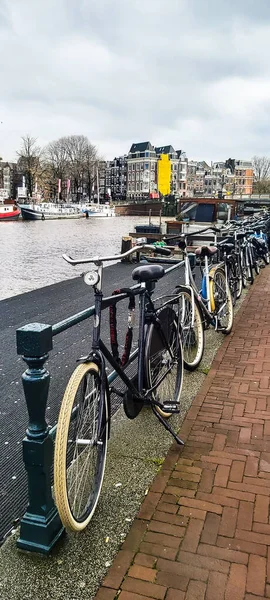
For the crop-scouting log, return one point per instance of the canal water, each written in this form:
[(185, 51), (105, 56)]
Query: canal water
[(31, 251)]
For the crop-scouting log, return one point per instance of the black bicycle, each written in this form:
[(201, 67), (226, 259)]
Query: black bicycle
[(84, 421)]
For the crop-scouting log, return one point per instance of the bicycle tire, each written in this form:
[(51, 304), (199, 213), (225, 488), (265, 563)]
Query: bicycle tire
[(239, 279), (193, 339), (249, 266), (256, 266), (71, 457), (232, 280), (220, 291), (244, 270), (254, 259), (158, 359)]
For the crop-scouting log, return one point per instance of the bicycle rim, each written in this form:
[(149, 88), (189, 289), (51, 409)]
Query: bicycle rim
[(80, 452), (223, 301), (164, 371), (192, 332)]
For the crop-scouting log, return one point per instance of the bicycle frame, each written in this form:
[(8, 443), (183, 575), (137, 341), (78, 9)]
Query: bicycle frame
[(191, 285), (147, 314)]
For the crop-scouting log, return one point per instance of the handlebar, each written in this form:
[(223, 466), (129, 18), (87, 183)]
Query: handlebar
[(98, 260), (191, 233)]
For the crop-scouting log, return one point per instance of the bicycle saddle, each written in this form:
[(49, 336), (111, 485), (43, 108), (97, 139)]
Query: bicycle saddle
[(203, 251), (148, 273)]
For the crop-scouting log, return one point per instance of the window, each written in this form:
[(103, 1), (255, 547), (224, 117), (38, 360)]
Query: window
[(137, 166), (129, 167), (152, 166), (133, 176), (141, 166), (146, 153), (146, 165), (133, 166)]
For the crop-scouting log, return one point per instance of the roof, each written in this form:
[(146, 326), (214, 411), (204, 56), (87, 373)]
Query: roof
[(164, 150), (141, 147)]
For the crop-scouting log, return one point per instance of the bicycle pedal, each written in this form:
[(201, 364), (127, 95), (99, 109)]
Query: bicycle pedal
[(171, 407), (113, 390)]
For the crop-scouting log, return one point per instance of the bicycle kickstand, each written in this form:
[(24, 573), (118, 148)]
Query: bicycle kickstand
[(167, 426)]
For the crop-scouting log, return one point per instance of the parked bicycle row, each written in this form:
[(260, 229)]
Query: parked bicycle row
[(171, 336), (239, 250)]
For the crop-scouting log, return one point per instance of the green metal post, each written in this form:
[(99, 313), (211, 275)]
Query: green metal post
[(40, 526)]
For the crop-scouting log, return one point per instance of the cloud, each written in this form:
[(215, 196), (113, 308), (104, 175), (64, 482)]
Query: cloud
[(184, 72)]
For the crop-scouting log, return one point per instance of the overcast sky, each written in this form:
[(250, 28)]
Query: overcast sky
[(189, 73)]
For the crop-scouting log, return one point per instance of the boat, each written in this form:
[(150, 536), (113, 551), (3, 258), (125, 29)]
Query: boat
[(98, 210), (9, 212), (50, 210)]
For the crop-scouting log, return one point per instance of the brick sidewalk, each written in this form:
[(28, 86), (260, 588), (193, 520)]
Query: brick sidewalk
[(203, 531)]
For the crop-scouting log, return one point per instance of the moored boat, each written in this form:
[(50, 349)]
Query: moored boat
[(98, 210), (9, 212), (49, 210)]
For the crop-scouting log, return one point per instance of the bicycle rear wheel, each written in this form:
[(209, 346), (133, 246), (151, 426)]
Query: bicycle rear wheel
[(249, 266), (232, 280), (80, 447), (239, 278), (220, 291), (164, 358), (192, 331), (244, 268)]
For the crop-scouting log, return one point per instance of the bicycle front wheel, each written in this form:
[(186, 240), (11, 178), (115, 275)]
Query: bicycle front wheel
[(81, 447), (164, 358), (220, 291), (192, 331)]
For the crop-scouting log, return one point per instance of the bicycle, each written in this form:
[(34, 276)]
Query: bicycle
[(198, 309), (84, 420)]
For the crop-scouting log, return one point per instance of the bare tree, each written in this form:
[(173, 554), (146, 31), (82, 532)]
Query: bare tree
[(30, 162), (57, 164), (261, 168), (82, 159), (90, 167), (76, 147)]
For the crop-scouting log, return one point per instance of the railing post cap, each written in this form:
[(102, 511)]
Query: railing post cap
[(34, 339)]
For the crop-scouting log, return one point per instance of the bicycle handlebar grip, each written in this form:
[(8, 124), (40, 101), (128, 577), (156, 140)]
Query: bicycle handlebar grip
[(162, 251)]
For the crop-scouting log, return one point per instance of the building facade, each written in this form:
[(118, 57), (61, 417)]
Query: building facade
[(116, 178), (156, 170), (244, 176), (8, 180), (182, 173), (228, 178), (197, 173), (141, 171)]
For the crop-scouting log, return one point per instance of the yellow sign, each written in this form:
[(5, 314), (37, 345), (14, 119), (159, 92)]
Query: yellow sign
[(164, 168)]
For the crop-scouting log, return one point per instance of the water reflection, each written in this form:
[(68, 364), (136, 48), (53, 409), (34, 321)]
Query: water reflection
[(31, 251)]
